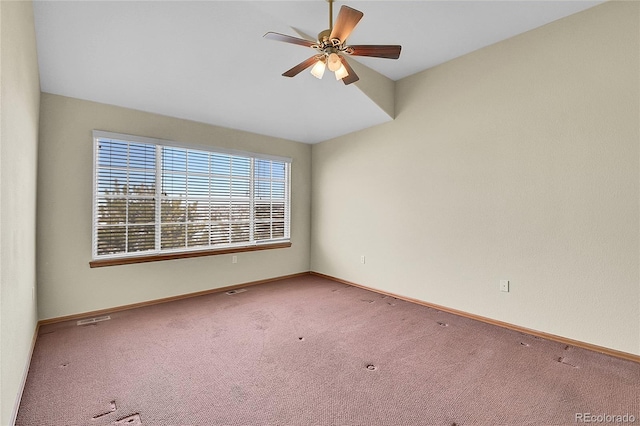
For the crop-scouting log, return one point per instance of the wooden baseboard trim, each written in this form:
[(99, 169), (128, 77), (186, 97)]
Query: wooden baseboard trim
[(548, 336), (541, 334), (25, 373), (164, 300)]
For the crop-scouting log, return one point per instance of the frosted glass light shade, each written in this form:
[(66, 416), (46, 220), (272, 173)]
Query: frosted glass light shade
[(333, 61), (341, 72), (318, 69)]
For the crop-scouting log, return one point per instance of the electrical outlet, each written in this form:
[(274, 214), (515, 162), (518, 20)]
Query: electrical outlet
[(362, 259), (234, 259), (504, 285)]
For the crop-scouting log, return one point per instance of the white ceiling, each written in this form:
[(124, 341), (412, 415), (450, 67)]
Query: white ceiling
[(208, 62)]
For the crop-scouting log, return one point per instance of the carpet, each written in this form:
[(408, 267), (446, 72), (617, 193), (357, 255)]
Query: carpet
[(311, 351)]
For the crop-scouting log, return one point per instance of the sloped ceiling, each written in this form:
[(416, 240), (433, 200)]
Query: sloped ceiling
[(208, 62)]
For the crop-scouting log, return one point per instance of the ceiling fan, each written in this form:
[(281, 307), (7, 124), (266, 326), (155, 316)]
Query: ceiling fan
[(331, 47)]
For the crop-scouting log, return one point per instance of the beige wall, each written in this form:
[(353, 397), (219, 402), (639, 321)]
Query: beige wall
[(66, 284), (19, 106), (519, 161)]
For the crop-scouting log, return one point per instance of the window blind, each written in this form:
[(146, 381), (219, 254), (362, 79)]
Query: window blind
[(157, 198)]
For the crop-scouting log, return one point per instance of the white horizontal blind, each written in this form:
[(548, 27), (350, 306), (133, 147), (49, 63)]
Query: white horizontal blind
[(155, 198), (124, 205), (270, 194)]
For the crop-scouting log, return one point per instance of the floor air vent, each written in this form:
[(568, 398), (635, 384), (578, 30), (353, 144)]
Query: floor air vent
[(236, 291), (94, 320)]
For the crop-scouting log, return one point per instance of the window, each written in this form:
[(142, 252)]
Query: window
[(152, 197)]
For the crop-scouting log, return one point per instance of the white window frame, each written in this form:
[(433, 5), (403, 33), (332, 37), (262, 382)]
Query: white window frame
[(158, 253)]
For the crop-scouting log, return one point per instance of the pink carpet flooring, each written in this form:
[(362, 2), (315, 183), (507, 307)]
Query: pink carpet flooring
[(309, 351)]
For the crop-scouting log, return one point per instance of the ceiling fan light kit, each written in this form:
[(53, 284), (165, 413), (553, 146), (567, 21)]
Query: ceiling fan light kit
[(331, 47)]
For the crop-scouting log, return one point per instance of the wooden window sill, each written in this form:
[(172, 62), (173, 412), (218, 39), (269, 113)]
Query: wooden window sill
[(183, 255)]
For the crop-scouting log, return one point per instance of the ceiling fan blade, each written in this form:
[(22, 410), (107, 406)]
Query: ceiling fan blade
[(352, 77), (346, 21), (300, 67), (375, 50), (288, 39)]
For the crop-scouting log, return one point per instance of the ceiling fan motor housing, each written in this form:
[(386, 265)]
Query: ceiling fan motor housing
[(324, 36)]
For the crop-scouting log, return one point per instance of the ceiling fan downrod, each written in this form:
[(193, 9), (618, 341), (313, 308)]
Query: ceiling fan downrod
[(330, 15), (324, 36)]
